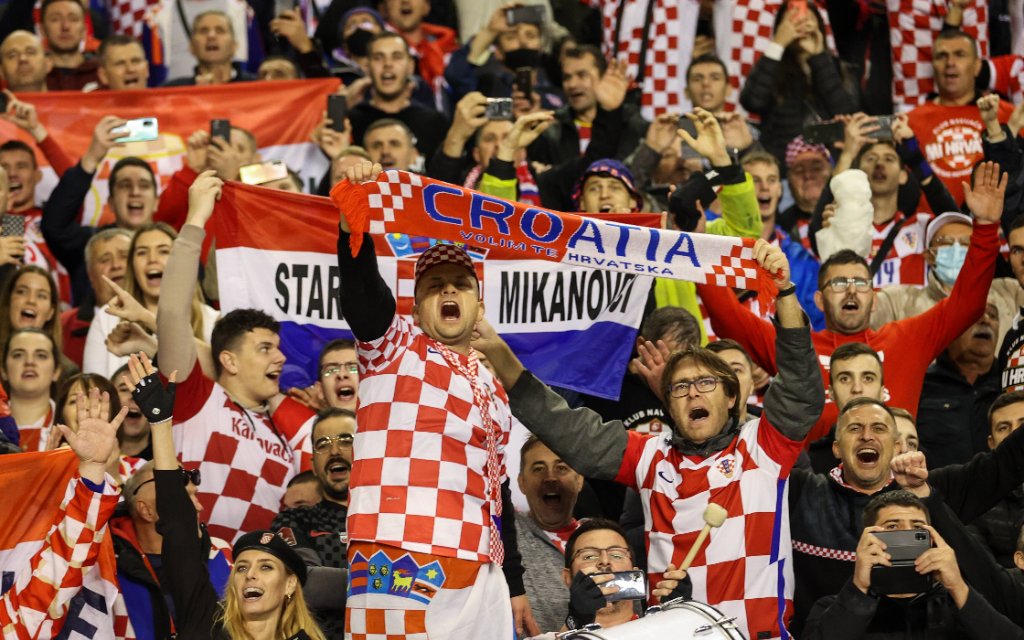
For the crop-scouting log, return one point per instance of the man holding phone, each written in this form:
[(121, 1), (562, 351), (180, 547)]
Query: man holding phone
[(867, 607)]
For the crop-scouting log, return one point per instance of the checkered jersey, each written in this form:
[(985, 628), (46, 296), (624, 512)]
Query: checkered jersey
[(905, 263), (743, 568), (913, 25), (246, 458), (57, 570), (126, 16), (34, 436), (419, 474)]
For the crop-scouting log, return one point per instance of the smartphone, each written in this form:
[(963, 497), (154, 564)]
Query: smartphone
[(280, 6), (262, 172), (884, 128), (499, 109), (796, 9), (12, 225), (905, 546), (139, 130), (524, 81), (530, 14), (632, 585), (824, 132), (3, 103), (221, 129), (337, 111)]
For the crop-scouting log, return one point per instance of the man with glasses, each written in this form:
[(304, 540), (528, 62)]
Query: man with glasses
[(744, 568), (338, 381), (846, 296), (317, 533), (138, 546)]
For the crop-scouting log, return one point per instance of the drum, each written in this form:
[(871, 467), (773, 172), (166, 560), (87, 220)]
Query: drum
[(679, 619)]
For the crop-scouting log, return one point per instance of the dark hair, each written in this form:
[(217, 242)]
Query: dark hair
[(383, 35), (849, 351), (593, 524), (1004, 400), (871, 145), (844, 256), (52, 326), (530, 443), (1017, 223), (45, 4), (334, 345), (675, 323), (706, 359), (54, 353), (897, 498), (864, 401), (302, 476), (900, 412), (728, 344), (953, 34), (580, 51), (18, 145), (791, 75), (380, 123), (232, 327), (327, 414), (89, 381), (115, 40), (707, 58), (131, 161)]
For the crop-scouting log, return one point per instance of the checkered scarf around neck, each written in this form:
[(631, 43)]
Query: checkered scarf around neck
[(482, 400)]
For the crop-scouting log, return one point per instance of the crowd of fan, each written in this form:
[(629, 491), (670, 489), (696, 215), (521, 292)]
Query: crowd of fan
[(906, 252)]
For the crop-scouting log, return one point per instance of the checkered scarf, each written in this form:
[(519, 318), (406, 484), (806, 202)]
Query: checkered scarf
[(913, 25)]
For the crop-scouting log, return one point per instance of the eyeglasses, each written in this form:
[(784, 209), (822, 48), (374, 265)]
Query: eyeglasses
[(840, 285), (330, 370), (187, 476), (592, 555), (324, 444), (681, 389)]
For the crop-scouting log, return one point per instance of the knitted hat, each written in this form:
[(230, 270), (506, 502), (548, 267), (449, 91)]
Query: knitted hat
[(609, 168), (797, 146), (443, 254), (368, 10), (273, 544), (941, 220)]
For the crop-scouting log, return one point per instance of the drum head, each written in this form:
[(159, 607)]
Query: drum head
[(678, 619)]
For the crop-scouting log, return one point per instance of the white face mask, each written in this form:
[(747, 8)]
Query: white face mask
[(948, 262)]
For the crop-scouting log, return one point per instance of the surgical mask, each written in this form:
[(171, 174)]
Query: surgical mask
[(520, 58), (948, 262), (358, 41)]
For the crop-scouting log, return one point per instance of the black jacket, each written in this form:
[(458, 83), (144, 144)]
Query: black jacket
[(64, 233), (561, 141)]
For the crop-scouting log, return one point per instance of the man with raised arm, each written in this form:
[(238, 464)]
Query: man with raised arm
[(710, 457), (430, 519)]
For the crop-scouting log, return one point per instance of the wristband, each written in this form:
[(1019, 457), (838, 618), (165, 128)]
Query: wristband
[(786, 292)]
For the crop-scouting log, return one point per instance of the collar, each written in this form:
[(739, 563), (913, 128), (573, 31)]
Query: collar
[(711, 446), (837, 476)]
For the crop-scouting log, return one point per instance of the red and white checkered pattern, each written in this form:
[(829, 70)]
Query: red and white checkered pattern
[(913, 25), (126, 16), (419, 475), (905, 263), (736, 270), (743, 569), (561, 537), (669, 40), (385, 624), (244, 463), (752, 22), (822, 552), (57, 571), (395, 189)]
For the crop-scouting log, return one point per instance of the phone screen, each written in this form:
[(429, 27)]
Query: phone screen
[(139, 130), (262, 172), (632, 585)]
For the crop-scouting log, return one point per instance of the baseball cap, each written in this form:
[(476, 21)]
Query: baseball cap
[(273, 544), (443, 253), (614, 169), (942, 220), (798, 146)]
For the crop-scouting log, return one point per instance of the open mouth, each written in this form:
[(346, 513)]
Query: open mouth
[(867, 456), (450, 310), (29, 374), (29, 315), (135, 208), (273, 376), (388, 76), (154, 278), (850, 305), (878, 175), (15, 188), (345, 393), (983, 333), (133, 414), (698, 413), (338, 468), (552, 499), (605, 208), (252, 594)]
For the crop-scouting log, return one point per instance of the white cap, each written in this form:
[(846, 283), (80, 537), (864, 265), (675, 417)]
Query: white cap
[(941, 220)]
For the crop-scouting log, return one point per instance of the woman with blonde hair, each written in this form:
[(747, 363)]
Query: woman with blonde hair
[(263, 599)]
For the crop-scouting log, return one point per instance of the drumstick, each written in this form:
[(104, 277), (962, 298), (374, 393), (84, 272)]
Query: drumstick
[(714, 516)]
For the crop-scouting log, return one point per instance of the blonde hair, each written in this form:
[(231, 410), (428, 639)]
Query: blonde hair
[(295, 616)]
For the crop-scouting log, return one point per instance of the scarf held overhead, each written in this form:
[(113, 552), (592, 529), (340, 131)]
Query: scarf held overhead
[(402, 202)]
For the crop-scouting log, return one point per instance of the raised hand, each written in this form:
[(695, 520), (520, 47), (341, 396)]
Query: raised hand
[(24, 116), (197, 149), (710, 142), (290, 25), (365, 171), (774, 261), (911, 471), (661, 134), (331, 142), (96, 439), (901, 131), (224, 159), (470, 115), (104, 138), (940, 562), (127, 338), (155, 401), (650, 364), (124, 305), (611, 89), (673, 584), (735, 130), (522, 134), (985, 199), (870, 552), (12, 249), (202, 197)]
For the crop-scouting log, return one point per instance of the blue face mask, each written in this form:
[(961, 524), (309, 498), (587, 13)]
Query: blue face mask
[(948, 262)]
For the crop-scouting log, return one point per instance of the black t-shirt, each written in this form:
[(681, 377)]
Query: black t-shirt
[(428, 125), (1011, 357)]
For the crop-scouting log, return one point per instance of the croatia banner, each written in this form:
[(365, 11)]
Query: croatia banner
[(91, 609), (276, 251), (281, 116)]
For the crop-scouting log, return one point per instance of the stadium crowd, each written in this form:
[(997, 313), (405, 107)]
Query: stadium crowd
[(836, 455)]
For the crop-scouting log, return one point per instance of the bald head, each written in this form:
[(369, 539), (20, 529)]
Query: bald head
[(23, 62)]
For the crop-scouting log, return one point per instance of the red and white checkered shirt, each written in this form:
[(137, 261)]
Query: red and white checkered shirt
[(40, 595), (742, 569), (246, 458), (905, 263), (419, 478)]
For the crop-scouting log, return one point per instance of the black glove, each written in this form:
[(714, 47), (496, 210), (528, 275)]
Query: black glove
[(585, 598), (684, 590), (155, 402)]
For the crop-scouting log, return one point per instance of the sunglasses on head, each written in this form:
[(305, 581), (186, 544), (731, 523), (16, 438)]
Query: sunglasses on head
[(187, 476)]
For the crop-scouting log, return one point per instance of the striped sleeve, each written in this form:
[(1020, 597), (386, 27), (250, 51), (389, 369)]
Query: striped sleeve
[(36, 603)]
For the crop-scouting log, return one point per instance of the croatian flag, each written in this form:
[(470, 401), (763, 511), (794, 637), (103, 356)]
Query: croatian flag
[(574, 327)]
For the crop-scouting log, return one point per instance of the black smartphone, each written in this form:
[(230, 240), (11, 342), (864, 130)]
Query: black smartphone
[(632, 585), (337, 110), (530, 14), (824, 132), (499, 109), (903, 547), (884, 128), (220, 128), (3, 103), (524, 81)]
